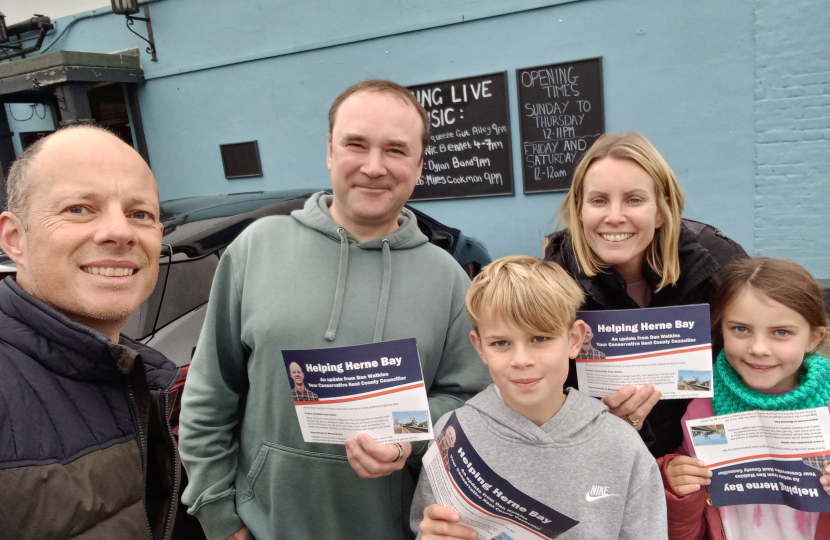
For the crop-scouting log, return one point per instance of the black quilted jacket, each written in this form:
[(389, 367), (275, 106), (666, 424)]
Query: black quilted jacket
[(703, 251), (86, 450)]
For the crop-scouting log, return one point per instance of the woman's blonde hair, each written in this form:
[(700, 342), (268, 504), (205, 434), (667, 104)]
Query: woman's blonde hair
[(538, 296), (661, 254)]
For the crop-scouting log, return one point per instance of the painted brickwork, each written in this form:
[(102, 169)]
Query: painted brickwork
[(792, 123)]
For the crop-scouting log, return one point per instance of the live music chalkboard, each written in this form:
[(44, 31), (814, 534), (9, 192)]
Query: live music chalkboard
[(561, 115), (469, 148)]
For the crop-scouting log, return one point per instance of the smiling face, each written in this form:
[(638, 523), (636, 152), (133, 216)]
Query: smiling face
[(530, 371), (619, 213), (93, 241), (297, 374), (586, 341), (448, 441), (374, 155), (765, 341)]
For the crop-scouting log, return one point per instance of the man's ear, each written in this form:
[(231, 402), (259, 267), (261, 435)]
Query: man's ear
[(576, 335), (328, 152), (476, 340), (12, 236)]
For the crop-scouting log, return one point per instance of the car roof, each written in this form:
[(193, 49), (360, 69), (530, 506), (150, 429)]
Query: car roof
[(226, 205), (197, 226)]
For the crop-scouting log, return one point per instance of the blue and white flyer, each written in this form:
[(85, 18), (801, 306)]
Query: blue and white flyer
[(669, 347), (377, 389), (765, 457), (488, 503)]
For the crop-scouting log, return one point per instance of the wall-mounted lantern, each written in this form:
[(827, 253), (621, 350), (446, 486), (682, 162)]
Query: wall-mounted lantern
[(125, 7), (130, 7)]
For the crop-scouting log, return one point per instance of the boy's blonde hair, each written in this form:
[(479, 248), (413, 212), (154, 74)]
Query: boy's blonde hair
[(538, 296)]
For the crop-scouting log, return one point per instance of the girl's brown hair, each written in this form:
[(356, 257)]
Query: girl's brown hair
[(786, 282)]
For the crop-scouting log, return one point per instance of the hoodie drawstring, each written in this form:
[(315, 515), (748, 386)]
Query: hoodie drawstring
[(384, 292), (331, 333)]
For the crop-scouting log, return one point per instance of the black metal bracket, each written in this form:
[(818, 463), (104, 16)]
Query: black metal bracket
[(151, 50)]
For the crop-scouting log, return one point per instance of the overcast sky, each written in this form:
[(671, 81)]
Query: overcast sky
[(20, 10)]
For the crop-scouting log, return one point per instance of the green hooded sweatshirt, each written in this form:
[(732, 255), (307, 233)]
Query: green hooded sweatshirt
[(303, 282)]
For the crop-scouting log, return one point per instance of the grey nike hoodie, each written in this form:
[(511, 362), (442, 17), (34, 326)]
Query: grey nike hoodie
[(584, 462)]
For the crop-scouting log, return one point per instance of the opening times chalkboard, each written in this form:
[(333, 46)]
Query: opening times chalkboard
[(561, 115), (469, 152)]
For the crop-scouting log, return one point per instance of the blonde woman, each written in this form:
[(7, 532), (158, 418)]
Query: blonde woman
[(627, 246)]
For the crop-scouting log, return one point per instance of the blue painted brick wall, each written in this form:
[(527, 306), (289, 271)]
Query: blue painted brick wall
[(792, 126)]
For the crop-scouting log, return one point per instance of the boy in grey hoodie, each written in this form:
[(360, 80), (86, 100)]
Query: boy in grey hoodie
[(556, 445)]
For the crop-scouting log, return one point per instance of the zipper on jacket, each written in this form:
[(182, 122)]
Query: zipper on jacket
[(720, 519), (176, 476), (143, 452)]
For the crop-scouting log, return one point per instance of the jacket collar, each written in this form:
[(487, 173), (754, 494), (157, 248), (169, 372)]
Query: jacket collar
[(70, 349)]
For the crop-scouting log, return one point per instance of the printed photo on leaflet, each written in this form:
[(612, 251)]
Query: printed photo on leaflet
[(377, 389), (669, 347)]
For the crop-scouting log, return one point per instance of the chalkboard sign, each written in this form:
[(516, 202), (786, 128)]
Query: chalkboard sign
[(561, 115), (469, 148)]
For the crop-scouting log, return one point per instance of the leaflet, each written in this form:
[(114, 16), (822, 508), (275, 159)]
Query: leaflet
[(669, 347), (377, 389), (766, 457), (488, 503)]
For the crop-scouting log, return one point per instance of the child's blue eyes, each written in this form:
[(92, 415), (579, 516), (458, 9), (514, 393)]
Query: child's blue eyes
[(505, 343), (744, 330)]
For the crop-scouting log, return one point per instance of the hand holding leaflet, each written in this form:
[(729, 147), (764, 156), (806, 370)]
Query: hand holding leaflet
[(440, 523), (633, 405), (686, 474), (370, 459)]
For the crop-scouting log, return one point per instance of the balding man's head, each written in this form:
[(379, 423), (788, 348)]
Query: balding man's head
[(297, 374), (83, 226), (18, 182)]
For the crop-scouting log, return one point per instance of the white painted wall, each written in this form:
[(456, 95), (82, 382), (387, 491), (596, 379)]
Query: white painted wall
[(20, 10)]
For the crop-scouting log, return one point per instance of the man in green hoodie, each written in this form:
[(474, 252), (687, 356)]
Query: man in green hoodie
[(349, 268)]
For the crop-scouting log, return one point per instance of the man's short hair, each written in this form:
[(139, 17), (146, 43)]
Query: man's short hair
[(18, 192), (538, 296), (387, 87)]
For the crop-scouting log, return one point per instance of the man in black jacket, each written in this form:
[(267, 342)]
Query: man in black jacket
[(86, 450)]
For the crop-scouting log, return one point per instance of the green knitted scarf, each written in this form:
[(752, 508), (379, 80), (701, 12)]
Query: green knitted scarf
[(732, 395)]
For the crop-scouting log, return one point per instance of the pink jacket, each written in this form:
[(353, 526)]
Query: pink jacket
[(692, 516)]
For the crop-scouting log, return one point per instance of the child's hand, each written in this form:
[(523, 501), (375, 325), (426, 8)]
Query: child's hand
[(442, 523), (686, 474), (825, 478)]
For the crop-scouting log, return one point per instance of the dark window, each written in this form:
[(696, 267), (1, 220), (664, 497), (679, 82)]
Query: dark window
[(29, 138), (241, 160)]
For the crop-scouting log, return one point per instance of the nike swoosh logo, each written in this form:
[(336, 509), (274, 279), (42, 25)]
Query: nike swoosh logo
[(591, 498)]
